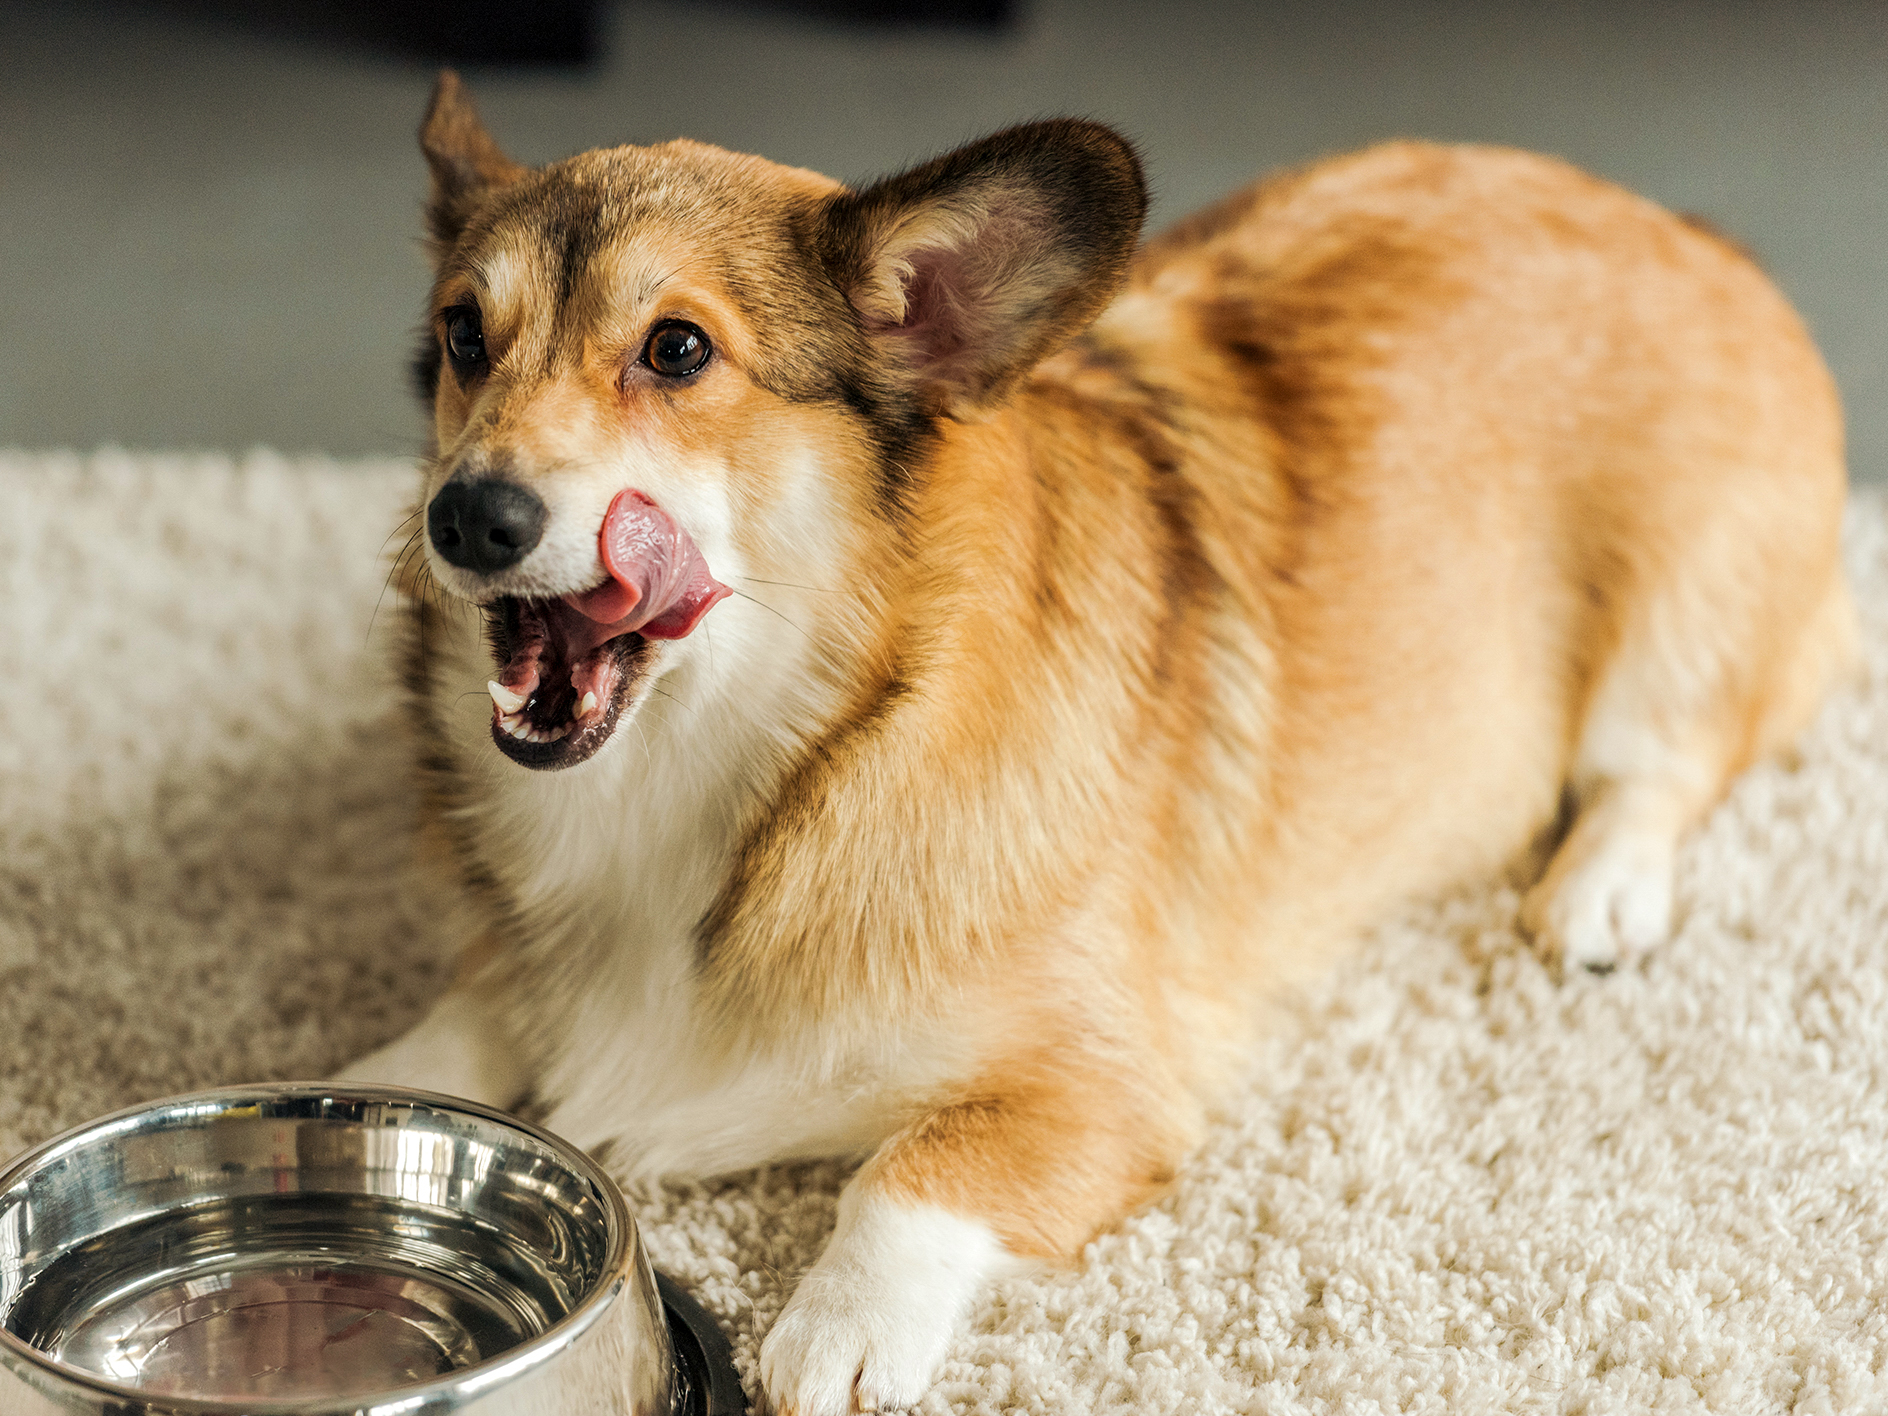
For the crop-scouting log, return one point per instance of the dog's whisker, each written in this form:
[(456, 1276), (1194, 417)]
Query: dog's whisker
[(643, 738), (686, 708), (400, 559), (767, 607), (786, 585), (652, 287), (404, 522)]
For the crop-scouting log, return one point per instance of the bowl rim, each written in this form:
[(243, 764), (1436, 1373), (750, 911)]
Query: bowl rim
[(462, 1386)]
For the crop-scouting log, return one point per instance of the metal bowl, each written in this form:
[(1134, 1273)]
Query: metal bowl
[(313, 1250)]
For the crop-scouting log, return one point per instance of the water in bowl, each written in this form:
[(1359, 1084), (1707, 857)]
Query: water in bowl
[(292, 1295)]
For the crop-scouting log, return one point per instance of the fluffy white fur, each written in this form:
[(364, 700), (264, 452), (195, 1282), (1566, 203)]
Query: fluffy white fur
[(1456, 1186), (614, 862)]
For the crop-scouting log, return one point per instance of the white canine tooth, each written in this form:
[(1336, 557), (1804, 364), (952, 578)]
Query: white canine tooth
[(507, 701), (588, 706)]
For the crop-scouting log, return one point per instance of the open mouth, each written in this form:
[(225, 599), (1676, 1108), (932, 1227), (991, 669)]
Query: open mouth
[(561, 686), (568, 667)]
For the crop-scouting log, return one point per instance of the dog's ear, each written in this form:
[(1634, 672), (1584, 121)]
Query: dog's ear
[(969, 269), (467, 165)]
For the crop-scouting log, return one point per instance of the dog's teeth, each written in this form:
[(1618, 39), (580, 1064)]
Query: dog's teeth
[(588, 706), (512, 719)]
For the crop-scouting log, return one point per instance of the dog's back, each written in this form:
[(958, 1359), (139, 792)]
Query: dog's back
[(1525, 483)]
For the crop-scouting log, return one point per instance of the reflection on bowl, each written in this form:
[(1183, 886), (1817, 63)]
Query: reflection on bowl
[(313, 1250)]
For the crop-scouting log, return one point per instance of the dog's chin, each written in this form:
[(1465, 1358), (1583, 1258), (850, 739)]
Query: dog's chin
[(552, 727)]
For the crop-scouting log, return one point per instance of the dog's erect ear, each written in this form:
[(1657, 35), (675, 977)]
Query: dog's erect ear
[(969, 269), (467, 165)]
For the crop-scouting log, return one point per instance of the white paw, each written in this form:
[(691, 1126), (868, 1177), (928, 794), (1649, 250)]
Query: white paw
[(1598, 911), (868, 1326), (839, 1349), (456, 1050)]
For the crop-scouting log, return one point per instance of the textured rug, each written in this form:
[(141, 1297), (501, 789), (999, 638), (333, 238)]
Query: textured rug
[(1454, 1186)]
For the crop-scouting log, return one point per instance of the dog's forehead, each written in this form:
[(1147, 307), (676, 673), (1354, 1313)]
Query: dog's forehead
[(637, 214)]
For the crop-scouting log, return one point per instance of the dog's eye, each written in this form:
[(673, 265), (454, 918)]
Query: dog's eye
[(676, 349), (465, 339)]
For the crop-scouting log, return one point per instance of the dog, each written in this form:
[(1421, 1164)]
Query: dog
[(950, 663)]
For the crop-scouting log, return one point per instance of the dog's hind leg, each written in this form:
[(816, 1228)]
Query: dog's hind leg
[(1607, 893), (1685, 704)]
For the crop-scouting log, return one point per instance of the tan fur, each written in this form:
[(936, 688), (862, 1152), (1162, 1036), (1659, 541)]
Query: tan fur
[(1385, 505), (1436, 569)]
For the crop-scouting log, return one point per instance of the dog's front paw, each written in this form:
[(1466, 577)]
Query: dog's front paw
[(868, 1326), (840, 1348), (456, 1049)]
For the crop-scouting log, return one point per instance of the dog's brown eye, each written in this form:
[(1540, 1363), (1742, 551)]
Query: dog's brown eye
[(465, 338), (676, 349)]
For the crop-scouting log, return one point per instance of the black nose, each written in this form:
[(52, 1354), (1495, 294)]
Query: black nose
[(485, 525)]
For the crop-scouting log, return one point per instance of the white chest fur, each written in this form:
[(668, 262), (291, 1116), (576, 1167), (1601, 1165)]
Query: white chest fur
[(611, 866)]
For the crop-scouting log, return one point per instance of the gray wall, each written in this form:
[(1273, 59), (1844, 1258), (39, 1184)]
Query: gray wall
[(207, 235)]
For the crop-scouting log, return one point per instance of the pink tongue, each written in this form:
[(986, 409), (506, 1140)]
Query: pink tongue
[(658, 584)]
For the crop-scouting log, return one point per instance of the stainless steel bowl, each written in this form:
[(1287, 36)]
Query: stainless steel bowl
[(314, 1250)]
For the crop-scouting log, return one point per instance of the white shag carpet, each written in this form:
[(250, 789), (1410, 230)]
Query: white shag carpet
[(1458, 1187)]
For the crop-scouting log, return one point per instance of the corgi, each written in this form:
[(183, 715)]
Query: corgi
[(908, 671)]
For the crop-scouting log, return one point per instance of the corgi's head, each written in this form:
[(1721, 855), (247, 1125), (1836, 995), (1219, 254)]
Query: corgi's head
[(658, 373)]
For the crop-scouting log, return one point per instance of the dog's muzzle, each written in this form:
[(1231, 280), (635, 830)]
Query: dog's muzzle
[(567, 665)]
